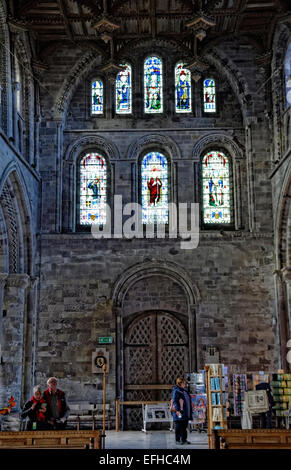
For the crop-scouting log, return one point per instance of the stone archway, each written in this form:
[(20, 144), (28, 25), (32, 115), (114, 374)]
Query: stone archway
[(147, 296)]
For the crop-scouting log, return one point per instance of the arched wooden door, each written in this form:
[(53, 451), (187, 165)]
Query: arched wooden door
[(156, 352)]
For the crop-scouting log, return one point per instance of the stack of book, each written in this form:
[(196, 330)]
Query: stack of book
[(281, 388)]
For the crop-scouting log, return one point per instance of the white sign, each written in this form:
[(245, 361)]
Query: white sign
[(156, 414)]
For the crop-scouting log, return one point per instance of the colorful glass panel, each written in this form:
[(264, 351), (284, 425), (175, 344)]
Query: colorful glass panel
[(183, 89), (209, 96), (288, 75), (97, 97), (154, 188), (93, 189), (153, 85), (123, 91), (216, 188)]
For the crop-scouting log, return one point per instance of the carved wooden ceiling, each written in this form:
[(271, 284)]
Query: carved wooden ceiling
[(74, 21)]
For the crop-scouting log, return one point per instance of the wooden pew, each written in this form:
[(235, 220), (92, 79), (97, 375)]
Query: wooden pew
[(250, 439), (64, 439), (84, 415)]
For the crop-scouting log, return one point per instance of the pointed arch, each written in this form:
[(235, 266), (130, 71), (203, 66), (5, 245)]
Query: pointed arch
[(16, 211)]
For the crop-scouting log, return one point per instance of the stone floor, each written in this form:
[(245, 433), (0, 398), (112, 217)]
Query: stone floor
[(152, 440)]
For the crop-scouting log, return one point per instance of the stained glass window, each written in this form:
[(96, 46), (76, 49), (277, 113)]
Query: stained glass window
[(123, 90), (183, 89), (154, 188), (209, 96), (216, 188), (288, 75), (97, 97), (93, 189), (153, 85)]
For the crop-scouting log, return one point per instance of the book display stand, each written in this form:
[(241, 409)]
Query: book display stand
[(216, 399)]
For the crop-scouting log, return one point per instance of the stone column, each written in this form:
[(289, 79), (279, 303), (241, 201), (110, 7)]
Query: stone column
[(13, 335), (192, 338), (3, 277), (286, 273), (1, 107), (15, 89), (30, 338)]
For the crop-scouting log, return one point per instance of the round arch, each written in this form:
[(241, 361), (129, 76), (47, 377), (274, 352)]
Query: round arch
[(170, 272)]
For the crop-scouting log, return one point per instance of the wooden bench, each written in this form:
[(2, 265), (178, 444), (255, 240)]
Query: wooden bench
[(87, 415), (66, 439), (251, 439)]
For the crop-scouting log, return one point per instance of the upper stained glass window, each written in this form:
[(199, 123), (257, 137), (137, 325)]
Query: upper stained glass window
[(93, 189), (97, 97), (183, 89), (154, 188), (153, 85), (124, 91), (216, 188), (209, 96)]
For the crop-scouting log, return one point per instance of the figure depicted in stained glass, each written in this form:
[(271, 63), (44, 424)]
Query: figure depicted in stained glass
[(93, 189), (153, 85), (216, 188), (97, 97), (123, 91), (183, 89), (154, 188), (94, 185), (209, 96)]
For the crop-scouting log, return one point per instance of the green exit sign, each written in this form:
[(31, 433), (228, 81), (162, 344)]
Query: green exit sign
[(105, 339)]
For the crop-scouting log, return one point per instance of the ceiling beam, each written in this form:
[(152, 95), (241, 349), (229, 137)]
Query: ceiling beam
[(67, 24)]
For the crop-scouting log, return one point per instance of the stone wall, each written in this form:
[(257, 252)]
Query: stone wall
[(235, 311)]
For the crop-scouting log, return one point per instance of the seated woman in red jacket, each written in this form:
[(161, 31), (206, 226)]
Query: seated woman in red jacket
[(35, 410)]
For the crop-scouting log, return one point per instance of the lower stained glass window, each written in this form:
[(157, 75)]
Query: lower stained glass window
[(93, 189), (154, 189), (216, 188)]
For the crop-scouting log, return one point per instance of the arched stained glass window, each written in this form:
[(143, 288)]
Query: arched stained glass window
[(209, 96), (93, 189), (288, 75), (153, 85), (124, 91), (154, 188), (183, 89), (216, 188), (97, 97)]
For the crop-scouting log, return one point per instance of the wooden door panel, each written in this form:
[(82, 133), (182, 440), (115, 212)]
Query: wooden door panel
[(155, 352)]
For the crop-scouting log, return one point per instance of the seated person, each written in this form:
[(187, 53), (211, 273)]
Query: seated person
[(35, 411)]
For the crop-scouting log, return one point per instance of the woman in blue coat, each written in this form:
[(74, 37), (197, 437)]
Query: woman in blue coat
[(183, 410)]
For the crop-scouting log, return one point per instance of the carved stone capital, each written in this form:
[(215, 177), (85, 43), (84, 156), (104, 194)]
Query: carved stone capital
[(18, 280), (33, 282), (3, 277), (286, 273)]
